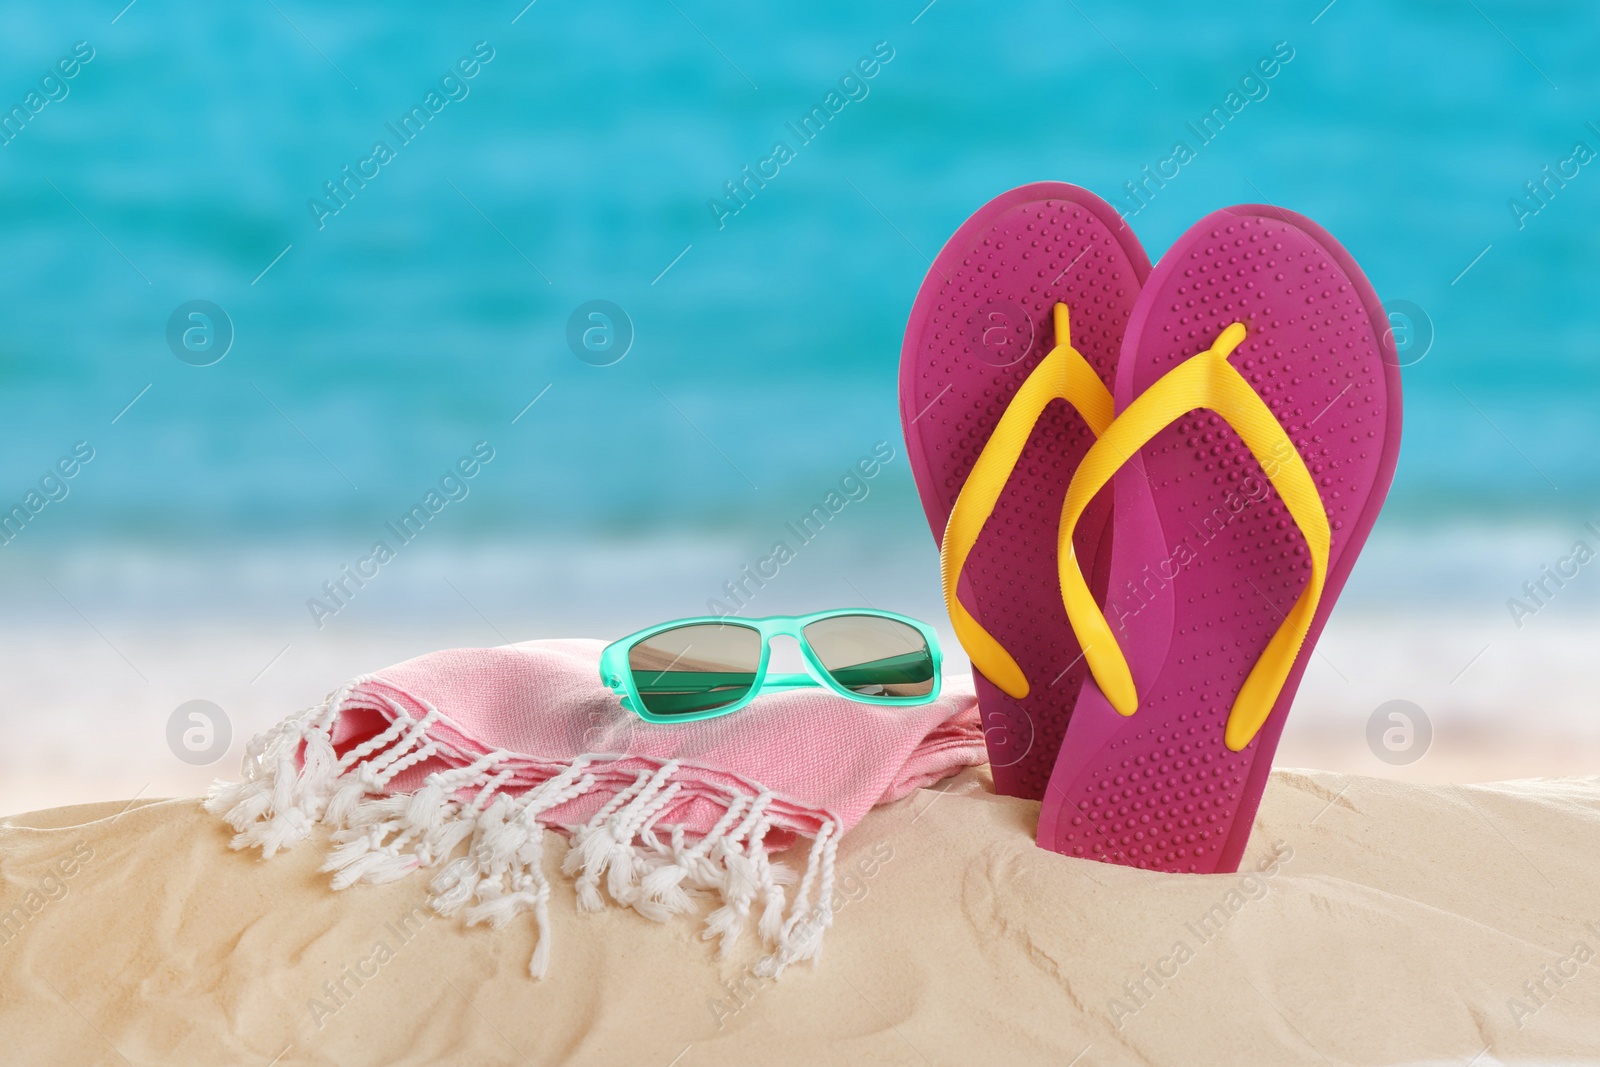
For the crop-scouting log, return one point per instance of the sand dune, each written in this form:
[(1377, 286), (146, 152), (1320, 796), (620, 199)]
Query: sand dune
[(1374, 922)]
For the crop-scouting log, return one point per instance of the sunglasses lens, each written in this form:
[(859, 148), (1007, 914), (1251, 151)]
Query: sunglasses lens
[(697, 668), (873, 656)]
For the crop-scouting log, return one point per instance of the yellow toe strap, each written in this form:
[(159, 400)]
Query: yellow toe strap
[(1063, 374), (1205, 381)]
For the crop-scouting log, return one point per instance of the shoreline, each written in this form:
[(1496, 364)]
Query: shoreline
[(100, 647)]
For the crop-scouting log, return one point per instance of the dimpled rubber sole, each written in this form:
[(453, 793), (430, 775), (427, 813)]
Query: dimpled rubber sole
[(981, 322), (1159, 789)]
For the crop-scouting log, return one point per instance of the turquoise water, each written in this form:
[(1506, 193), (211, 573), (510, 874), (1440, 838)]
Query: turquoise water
[(378, 336)]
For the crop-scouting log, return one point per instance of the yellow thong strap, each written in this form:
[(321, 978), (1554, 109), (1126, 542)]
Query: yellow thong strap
[(1205, 381), (1063, 374)]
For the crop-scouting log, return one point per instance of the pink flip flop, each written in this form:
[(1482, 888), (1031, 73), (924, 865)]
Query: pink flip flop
[(1004, 383), (1258, 423)]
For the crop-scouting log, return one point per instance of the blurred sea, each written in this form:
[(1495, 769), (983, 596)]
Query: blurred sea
[(377, 338)]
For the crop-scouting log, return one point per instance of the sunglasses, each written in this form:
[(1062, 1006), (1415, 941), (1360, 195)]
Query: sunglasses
[(704, 667)]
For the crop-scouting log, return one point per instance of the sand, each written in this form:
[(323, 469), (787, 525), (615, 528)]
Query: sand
[(1374, 922)]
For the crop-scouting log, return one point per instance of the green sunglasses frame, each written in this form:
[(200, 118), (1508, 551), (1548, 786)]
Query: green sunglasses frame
[(616, 673)]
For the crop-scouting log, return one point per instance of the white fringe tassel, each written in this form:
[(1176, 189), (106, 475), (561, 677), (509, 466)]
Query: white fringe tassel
[(380, 837)]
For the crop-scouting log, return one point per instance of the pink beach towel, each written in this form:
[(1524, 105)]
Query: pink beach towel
[(491, 746)]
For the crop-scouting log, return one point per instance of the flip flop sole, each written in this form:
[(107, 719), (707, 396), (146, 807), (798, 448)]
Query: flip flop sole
[(1205, 561), (981, 322)]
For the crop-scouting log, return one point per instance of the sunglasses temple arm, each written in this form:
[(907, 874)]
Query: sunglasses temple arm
[(774, 682)]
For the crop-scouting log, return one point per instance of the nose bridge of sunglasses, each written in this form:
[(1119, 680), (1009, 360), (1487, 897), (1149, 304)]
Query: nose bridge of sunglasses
[(784, 655)]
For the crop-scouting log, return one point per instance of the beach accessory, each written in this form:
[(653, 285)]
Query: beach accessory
[(1004, 385), (704, 667), (1258, 398), (465, 757)]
